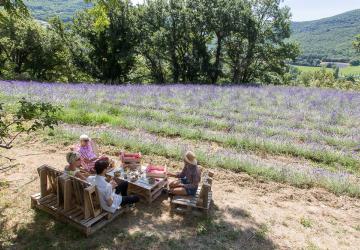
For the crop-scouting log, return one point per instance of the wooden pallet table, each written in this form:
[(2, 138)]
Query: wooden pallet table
[(148, 192)]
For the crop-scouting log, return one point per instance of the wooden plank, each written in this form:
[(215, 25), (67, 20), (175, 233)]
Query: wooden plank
[(68, 195), (84, 221), (34, 200), (76, 214), (160, 187), (97, 218), (88, 207), (43, 182), (68, 213), (79, 218), (156, 195), (52, 203), (62, 218), (43, 199), (49, 199), (76, 192)]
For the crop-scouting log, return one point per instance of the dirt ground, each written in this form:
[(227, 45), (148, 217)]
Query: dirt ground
[(247, 213)]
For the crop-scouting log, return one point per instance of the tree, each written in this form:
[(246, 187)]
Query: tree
[(152, 23), (31, 51), (256, 48), (13, 7), (28, 117), (356, 43), (109, 31), (218, 17)]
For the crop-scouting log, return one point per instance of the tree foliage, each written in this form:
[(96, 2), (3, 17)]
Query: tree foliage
[(114, 41), (13, 6), (357, 43), (28, 117), (29, 50)]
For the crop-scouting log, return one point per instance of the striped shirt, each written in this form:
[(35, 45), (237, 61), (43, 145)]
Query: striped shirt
[(87, 153)]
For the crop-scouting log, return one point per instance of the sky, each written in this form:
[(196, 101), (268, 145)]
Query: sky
[(307, 10)]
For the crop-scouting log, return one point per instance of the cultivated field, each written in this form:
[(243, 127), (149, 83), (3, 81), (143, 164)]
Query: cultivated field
[(300, 137), (351, 70)]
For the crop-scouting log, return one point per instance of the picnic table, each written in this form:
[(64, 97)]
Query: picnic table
[(141, 187)]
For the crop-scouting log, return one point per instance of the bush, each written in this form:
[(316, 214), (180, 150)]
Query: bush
[(318, 78), (355, 62)]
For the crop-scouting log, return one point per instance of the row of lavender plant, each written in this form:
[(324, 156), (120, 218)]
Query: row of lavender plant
[(240, 142), (297, 175), (251, 112)]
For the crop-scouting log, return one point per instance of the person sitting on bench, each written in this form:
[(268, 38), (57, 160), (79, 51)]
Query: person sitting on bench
[(87, 151), (189, 178), (112, 195), (74, 161)]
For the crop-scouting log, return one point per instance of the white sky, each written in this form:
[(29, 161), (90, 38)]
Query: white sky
[(306, 10)]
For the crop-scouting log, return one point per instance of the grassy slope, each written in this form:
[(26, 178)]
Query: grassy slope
[(331, 36)]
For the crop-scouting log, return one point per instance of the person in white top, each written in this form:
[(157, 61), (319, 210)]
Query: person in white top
[(112, 195)]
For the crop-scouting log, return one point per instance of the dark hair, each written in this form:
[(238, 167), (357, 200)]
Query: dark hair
[(101, 165)]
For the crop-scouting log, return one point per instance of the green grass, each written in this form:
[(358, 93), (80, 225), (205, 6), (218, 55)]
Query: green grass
[(306, 222), (125, 119), (351, 70), (262, 231)]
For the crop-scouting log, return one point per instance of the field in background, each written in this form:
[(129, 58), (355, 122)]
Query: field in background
[(302, 136), (351, 70)]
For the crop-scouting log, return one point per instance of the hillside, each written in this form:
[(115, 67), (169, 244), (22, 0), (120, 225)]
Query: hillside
[(45, 9), (329, 37)]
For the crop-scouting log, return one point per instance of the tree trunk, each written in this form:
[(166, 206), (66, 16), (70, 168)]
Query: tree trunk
[(216, 70)]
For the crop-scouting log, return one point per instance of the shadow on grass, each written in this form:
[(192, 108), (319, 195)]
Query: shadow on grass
[(149, 228)]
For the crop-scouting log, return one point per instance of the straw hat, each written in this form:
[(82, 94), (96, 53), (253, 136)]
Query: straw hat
[(84, 137), (190, 158), (72, 157)]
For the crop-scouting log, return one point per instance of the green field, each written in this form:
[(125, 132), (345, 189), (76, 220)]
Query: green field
[(351, 70)]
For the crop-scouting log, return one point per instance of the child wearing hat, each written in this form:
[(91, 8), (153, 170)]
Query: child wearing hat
[(189, 177)]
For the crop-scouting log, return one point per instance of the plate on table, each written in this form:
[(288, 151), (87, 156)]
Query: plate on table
[(111, 171)]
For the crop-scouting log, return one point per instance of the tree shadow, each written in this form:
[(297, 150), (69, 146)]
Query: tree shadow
[(150, 227)]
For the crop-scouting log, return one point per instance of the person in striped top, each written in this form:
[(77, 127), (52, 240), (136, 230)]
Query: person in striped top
[(87, 154)]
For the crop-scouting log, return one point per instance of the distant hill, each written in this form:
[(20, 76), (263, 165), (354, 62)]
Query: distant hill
[(65, 9), (329, 38)]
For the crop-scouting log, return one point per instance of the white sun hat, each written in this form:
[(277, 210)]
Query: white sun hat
[(84, 137)]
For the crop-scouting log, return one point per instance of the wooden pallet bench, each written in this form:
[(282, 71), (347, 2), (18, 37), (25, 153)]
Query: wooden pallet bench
[(201, 201), (71, 201)]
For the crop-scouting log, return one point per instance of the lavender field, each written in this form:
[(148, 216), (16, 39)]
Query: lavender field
[(302, 136)]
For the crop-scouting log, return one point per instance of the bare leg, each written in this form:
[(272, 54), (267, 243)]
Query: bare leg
[(178, 191), (174, 184)]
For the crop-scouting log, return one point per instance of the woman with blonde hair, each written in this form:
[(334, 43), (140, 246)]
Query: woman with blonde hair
[(74, 160)]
